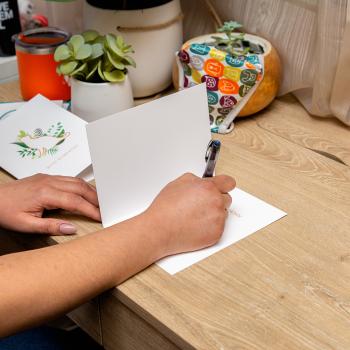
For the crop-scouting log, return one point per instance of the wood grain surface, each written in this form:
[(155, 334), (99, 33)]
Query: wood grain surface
[(285, 287)]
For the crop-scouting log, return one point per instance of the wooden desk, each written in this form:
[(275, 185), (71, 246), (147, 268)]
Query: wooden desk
[(285, 287)]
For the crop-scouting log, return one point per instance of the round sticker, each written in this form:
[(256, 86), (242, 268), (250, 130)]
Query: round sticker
[(213, 98), (249, 65), (211, 119), (227, 101), (185, 81), (235, 61), (224, 111), (214, 68), (249, 77), (232, 73), (184, 56), (227, 86), (211, 109), (243, 90), (254, 59), (219, 55), (197, 62), (187, 69), (196, 76), (200, 49), (219, 119), (211, 82)]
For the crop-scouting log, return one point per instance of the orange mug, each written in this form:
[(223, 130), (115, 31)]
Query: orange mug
[(36, 65)]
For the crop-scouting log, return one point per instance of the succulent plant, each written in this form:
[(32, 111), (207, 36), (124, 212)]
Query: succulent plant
[(92, 57), (232, 42)]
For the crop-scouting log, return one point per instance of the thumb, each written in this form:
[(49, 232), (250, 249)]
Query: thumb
[(49, 226), (224, 183)]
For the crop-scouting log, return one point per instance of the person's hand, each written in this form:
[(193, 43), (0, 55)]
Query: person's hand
[(23, 202), (190, 212)]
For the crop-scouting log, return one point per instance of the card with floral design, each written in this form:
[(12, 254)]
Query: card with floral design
[(42, 137)]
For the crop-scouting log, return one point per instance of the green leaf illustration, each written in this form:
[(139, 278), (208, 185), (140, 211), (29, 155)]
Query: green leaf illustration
[(20, 144)]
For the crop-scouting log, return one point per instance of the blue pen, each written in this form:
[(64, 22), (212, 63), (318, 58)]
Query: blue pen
[(211, 157)]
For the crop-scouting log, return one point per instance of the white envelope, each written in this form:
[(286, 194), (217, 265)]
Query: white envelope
[(41, 137)]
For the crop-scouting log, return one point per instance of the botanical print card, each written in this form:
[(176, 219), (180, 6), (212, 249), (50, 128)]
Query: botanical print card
[(42, 137)]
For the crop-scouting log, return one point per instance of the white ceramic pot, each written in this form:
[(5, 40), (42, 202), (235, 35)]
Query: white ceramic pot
[(92, 101), (154, 49)]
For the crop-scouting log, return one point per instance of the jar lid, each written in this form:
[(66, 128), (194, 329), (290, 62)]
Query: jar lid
[(40, 40)]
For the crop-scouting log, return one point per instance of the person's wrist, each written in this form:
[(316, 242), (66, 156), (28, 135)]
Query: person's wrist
[(157, 233)]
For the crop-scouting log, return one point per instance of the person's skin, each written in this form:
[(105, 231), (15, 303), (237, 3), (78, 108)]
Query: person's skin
[(23, 202), (35, 286)]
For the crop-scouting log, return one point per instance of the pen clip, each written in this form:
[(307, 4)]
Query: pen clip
[(210, 145)]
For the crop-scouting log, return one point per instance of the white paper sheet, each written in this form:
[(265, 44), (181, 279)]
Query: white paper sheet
[(248, 214), (56, 138), (135, 153)]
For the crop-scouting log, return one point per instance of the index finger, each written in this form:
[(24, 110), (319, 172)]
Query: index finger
[(224, 183)]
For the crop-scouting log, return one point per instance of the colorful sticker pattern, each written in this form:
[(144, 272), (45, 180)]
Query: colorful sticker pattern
[(228, 78)]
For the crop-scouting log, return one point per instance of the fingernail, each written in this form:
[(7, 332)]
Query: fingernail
[(68, 229)]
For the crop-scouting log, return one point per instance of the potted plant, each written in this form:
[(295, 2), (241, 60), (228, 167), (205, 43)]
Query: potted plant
[(238, 44), (153, 27), (97, 69)]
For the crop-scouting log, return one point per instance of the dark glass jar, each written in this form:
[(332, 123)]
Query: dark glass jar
[(9, 25), (126, 4)]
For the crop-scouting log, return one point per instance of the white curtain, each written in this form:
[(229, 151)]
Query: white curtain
[(312, 38)]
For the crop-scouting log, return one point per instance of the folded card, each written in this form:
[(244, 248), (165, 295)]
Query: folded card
[(42, 137), (136, 152)]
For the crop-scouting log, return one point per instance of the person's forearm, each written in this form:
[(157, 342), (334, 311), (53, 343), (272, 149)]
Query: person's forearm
[(38, 285)]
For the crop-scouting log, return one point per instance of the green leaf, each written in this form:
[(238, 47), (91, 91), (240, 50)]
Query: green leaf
[(111, 43), (100, 40), (59, 142), (21, 144), (92, 71), (127, 49), (76, 41), (80, 70), (90, 35), (97, 50), (120, 42), (115, 76), (229, 26), (83, 52), (99, 69), (107, 66), (115, 61), (62, 53), (130, 61), (67, 68)]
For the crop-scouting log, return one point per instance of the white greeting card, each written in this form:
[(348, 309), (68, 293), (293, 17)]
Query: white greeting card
[(42, 137), (135, 153)]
